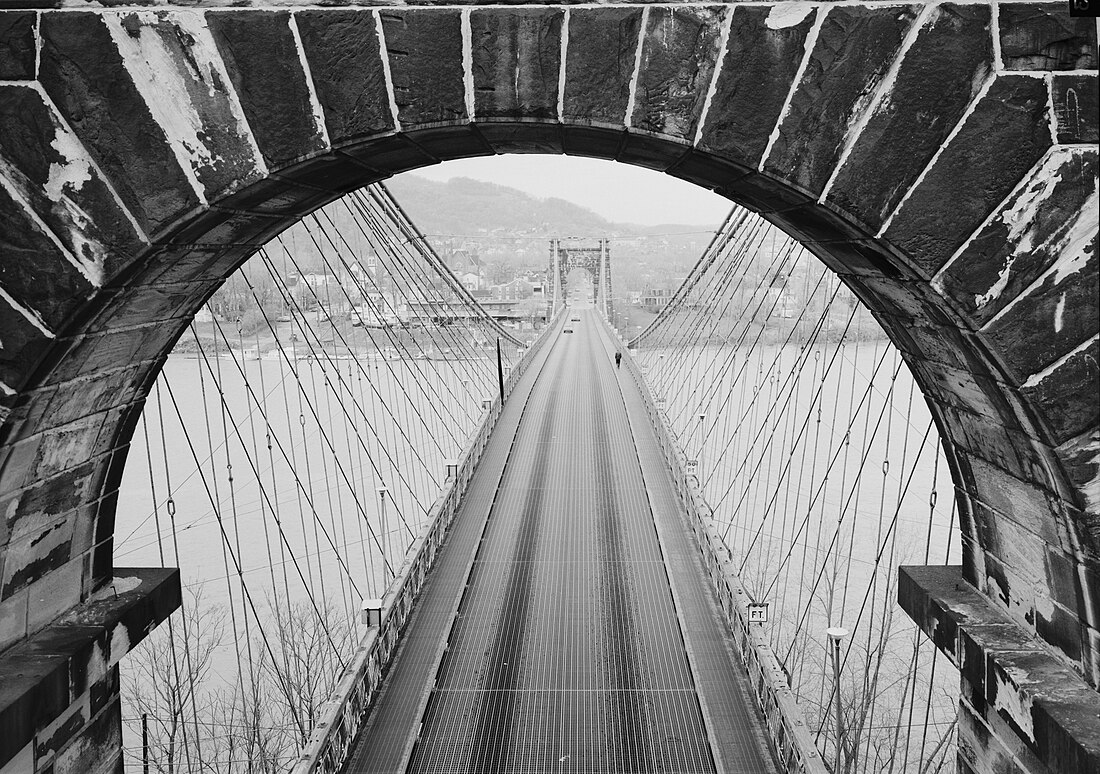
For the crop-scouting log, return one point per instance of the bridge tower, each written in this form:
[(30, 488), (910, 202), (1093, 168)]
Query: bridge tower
[(567, 254)]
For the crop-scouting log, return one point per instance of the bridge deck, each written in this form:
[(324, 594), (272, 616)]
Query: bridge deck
[(559, 645)]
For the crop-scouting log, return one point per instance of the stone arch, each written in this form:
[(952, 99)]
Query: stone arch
[(941, 158)]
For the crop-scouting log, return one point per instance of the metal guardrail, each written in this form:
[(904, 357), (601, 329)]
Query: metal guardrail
[(789, 737), (333, 738)]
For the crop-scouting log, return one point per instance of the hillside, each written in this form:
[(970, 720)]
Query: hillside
[(510, 230)]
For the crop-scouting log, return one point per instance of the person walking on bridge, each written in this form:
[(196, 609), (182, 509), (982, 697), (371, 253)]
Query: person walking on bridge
[(618, 357)]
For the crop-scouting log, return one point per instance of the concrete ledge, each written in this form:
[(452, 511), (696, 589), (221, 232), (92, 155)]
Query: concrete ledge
[(45, 674), (1008, 677)]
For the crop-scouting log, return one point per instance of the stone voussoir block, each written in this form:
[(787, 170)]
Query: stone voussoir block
[(345, 61), (599, 64), (1043, 36), (262, 60), (515, 62), (17, 45)]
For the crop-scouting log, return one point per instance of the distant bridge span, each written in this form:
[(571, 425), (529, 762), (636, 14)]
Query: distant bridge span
[(941, 158)]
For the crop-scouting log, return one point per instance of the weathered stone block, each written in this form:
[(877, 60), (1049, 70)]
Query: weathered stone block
[(642, 150), (17, 45), (1043, 714), (106, 389), (130, 345), (812, 224), (75, 655), (515, 62), (1025, 238), (762, 56), (1055, 317), (428, 88), (950, 346), (1012, 588), (345, 60), (595, 142), (1062, 579), (853, 51), (982, 436), (900, 299), (526, 137), (1066, 395), (997, 495), (1076, 101), (762, 193), (59, 182), (451, 142), (224, 227), (262, 61), (1001, 140), (1079, 457), (34, 271), (84, 75), (1061, 629), (939, 76), (981, 749), (13, 617), (98, 746), (679, 55), (187, 94), (380, 158), (151, 305), (1061, 722), (55, 737), (31, 558), (279, 197), (57, 590), (707, 170), (599, 64), (177, 267), (1043, 36), (19, 457)]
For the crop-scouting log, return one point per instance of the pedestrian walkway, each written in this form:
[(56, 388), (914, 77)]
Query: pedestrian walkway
[(567, 644)]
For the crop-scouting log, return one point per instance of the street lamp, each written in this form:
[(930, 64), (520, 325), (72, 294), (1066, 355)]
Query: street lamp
[(702, 440), (382, 492), (836, 634)]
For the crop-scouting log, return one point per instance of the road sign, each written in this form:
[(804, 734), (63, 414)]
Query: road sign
[(758, 612)]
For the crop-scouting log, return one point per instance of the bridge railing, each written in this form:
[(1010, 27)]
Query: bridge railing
[(789, 736), (333, 738)]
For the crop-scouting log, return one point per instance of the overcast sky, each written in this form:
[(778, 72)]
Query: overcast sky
[(618, 192)]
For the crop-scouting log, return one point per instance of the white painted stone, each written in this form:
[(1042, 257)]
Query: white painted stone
[(1074, 250), (120, 644), (783, 15), (1020, 220), (164, 82), (1015, 704)]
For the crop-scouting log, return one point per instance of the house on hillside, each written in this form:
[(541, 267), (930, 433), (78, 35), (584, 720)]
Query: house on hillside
[(656, 299), (518, 289), (470, 281)]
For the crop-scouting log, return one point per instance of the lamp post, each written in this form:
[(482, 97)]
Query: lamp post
[(702, 440), (382, 492), (836, 634)]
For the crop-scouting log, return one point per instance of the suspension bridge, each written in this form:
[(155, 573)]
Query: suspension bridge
[(834, 511)]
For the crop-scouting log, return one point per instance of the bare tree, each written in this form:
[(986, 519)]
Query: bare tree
[(164, 678), (313, 647)]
